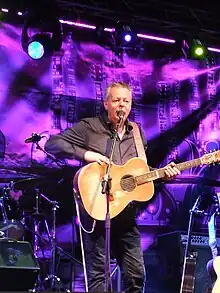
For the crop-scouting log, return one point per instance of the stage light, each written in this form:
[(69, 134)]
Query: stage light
[(194, 49), (198, 49), (39, 46), (48, 38), (35, 50), (124, 35), (127, 37)]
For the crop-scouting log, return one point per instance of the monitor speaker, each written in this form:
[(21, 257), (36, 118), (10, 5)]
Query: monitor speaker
[(171, 250), (18, 266)]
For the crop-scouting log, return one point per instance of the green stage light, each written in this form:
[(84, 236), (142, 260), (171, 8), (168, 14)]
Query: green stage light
[(193, 49), (198, 49)]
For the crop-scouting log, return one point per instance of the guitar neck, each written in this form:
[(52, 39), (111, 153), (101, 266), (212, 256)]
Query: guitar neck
[(160, 173)]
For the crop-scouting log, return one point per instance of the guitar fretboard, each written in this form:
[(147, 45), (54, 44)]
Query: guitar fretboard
[(160, 173)]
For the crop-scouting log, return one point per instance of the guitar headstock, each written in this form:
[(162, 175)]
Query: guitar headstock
[(211, 158)]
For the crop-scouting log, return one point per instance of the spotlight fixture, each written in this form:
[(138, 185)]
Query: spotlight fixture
[(194, 49), (198, 49), (48, 36), (124, 35), (39, 45)]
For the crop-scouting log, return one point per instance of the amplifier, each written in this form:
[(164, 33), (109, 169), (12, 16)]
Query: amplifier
[(170, 250), (18, 267), (198, 240)]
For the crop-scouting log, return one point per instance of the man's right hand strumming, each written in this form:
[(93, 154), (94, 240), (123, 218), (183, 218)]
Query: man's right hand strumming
[(95, 157)]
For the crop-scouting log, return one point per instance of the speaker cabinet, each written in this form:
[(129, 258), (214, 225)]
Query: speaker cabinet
[(164, 265), (202, 278), (18, 267)]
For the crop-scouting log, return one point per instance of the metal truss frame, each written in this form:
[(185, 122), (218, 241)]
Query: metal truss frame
[(171, 18), (167, 17)]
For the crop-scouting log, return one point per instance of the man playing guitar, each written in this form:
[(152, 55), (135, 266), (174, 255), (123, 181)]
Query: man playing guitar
[(90, 140)]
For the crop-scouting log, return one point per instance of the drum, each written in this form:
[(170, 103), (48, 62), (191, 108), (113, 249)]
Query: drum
[(10, 216)]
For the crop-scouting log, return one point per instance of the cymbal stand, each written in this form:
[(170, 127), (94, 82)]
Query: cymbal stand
[(36, 223), (4, 214), (52, 278)]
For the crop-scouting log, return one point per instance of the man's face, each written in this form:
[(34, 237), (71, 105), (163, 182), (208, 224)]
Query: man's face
[(119, 99)]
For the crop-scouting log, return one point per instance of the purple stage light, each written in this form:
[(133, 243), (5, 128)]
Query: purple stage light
[(107, 29), (78, 24), (214, 49), (127, 38), (156, 38), (4, 10)]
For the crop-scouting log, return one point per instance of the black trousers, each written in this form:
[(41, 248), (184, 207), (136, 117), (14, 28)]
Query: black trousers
[(125, 247)]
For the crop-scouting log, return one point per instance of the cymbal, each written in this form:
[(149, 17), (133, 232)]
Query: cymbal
[(7, 175), (199, 180), (32, 182)]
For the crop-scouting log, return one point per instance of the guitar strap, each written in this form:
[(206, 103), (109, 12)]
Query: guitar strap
[(138, 142)]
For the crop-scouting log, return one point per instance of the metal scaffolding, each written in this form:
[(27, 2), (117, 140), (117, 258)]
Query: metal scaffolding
[(169, 18)]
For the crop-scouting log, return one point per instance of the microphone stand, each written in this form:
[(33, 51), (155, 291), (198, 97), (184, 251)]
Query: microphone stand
[(106, 187), (49, 155)]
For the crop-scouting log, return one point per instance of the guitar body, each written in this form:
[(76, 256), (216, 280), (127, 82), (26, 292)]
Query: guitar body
[(88, 182), (214, 271), (132, 181)]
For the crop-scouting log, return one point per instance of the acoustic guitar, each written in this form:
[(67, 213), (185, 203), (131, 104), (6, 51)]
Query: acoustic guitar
[(213, 265), (190, 258), (132, 181)]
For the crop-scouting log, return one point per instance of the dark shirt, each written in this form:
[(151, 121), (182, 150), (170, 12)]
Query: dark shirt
[(94, 134)]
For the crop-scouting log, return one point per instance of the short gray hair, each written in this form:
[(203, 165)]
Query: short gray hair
[(117, 84)]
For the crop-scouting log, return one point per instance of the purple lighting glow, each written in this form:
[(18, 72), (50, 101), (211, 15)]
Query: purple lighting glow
[(214, 49), (109, 29), (78, 24), (156, 38), (4, 10)]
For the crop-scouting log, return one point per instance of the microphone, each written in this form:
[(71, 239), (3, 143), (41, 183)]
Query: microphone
[(35, 137), (120, 115)]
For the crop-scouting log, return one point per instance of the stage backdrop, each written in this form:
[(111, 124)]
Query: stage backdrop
[(176, 102)]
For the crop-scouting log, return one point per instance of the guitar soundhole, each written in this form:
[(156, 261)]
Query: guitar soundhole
[(128, 183)]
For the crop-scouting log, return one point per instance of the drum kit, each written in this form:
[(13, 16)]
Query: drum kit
[(16, 222)]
